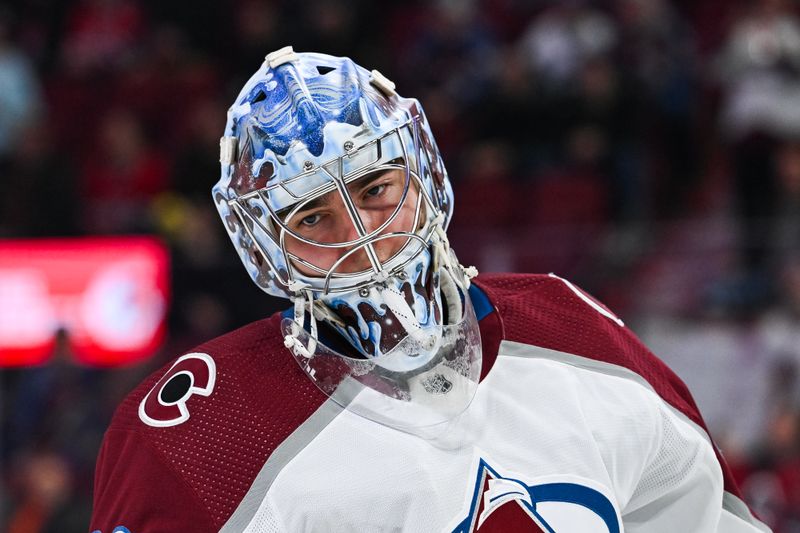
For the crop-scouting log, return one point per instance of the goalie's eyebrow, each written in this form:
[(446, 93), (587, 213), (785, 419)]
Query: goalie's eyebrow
[(327, 198), (320, 201)]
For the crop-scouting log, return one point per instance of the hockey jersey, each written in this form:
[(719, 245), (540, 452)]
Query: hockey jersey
[(575, 426)]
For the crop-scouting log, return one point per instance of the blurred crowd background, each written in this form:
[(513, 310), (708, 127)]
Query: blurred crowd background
[(649, 150)]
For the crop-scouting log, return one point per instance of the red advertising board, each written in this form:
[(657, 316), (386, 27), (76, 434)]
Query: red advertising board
[(109, 294)]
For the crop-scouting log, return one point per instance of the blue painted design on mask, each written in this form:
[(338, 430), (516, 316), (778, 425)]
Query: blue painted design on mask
[(292, 111)]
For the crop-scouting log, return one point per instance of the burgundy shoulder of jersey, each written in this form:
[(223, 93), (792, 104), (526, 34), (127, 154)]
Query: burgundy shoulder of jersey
[(550, 312), (209, 419)]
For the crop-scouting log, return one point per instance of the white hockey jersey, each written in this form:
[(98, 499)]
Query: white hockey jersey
[(575, 427)]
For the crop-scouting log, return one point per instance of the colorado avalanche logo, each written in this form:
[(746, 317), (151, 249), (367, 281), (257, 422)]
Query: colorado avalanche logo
[(165, 404), (554, 504)]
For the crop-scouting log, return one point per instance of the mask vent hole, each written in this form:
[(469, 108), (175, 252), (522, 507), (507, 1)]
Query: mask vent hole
[(324, 70), (260, 97)]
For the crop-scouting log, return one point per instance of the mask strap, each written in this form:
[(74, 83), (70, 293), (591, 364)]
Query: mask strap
[(312, 341), (441, 248), (303, 296)]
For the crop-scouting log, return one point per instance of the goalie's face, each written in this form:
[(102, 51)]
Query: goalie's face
[(325, 232)]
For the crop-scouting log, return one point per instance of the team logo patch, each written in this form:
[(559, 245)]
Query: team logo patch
[(551, 504), (165, 404)]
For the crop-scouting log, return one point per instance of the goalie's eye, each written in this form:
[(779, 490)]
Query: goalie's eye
[(311, 220), (375, 191)]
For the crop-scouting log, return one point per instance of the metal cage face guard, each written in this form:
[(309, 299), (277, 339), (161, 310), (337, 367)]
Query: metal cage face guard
[(267, 215)]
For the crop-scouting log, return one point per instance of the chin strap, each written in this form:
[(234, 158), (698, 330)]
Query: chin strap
[(470, 272), (303, 295), (441, 248)]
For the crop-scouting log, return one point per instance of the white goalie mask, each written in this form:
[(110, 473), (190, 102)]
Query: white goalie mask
[(335, 196)]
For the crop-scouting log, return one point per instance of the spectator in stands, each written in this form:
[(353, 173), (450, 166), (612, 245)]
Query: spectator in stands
[(102, 35), (123, 177), (20, 93), (760, 69)]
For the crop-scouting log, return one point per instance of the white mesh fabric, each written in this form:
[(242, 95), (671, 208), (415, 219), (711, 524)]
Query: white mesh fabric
[(673, 462), (677, 484), (266, 520)]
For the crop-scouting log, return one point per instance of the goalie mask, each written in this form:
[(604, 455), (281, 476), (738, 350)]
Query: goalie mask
[(335, 196)]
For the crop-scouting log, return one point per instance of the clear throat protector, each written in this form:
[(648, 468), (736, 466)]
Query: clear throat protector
[(419, 386)]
